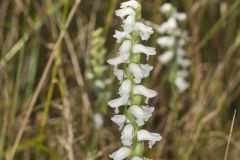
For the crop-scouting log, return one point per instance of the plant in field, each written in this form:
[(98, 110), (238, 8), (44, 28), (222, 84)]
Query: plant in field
[(173, 40), (130, 67)]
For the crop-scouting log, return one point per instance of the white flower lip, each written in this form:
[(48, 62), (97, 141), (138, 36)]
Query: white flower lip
[(127, 135), (144, 135), (125, 48), (141, 90), (125, 87), (119, 120), (144, 30), (121, 35), (121, 153), (139, 48), (136, 71), (116, 103)]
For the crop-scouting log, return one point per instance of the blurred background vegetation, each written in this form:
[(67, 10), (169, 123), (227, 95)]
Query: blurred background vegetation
[(54, 80)]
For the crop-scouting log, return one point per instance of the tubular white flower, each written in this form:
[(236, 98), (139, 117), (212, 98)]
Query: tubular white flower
[(166, 42), (181, 84), (166, 57), (139, 48), (138, 113), (169, 26), (166, 8), (119, 73), (116, 61), (116, 103), (121, 153), (136, 71), (98, 121), (124, 50), (127, 135), (146, 69), (133, 3), (121, 35), (125, 87), (144, 135), (129, 23), (119, 120), (141, 90), (144, 30), (125, 12), (139, 71), (147, 111), (142, 114)]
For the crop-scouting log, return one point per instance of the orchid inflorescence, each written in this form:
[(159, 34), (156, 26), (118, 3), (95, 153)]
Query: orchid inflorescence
[(130, 71), (173, 40)]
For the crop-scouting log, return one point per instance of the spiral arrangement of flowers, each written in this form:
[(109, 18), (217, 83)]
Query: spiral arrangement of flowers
[(130, 67), (173, 40)]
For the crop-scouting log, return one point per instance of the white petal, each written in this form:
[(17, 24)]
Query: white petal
[(136, 71), (119, 120), (116, 103), (139, 71), (119, 73), (125, 12), (133, 3), (166, 42), (166, 8), (124, 50), (127, 135), (181, 84), (121, 35), (138, 113), (139, 48), (141, 90), (169, 26), (144, 135), (129, 23), (166, 57), (116, 61), (146, 69), (121, 153), (147, 111), (144, 30), (125, 87), (98, 120), (183, 62), (180, 16)]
